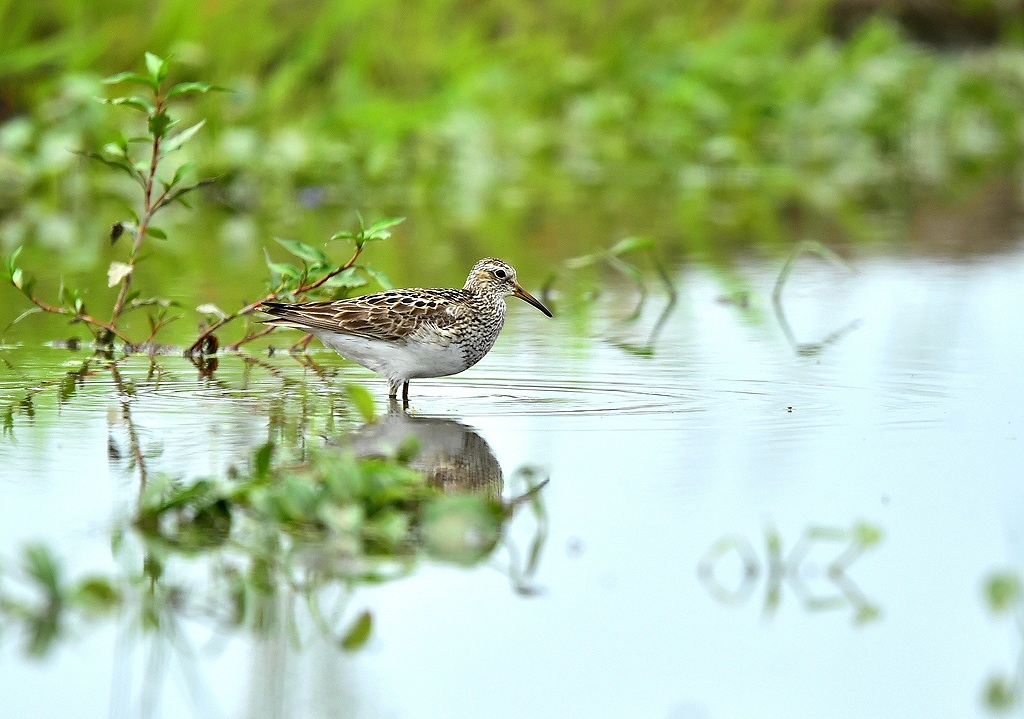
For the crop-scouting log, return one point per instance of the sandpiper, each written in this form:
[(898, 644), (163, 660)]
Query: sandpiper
[(404, 334)]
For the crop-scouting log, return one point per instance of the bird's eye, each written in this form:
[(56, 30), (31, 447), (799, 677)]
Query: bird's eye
[(500, 274)]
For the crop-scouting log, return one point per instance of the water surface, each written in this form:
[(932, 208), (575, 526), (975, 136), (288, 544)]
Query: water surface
[(699, 489)]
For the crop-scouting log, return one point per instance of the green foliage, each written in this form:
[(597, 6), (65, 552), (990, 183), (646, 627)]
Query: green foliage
[(462, 528), (143, 169), (309, 524), (701, 122), (373, 506), (50, 597), (1004, 592), (359, 633), (1001, 694), (712, 130), (379, 230), (318, 271), (362, 400)]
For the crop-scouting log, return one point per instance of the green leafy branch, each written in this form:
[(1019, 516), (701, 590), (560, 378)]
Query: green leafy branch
[(158, 192), (161, 143), (289, 281), (71, 304)]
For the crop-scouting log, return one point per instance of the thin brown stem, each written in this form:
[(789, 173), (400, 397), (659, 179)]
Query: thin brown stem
[(148, 210), (303, 343), (201, 340), (245, 340), (88, 319)]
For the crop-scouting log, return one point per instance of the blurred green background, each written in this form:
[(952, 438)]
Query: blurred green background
[(534, 131)]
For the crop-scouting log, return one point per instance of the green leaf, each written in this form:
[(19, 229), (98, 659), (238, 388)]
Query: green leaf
[(379, 277), (359, 633), (187, 88), (122, 165), (343, 235), (263, 456), (180, 173), (379, 229), (129, 77), (461, 528), (349, 278), (578, 263), (384, 224), (134, 102), (157, 67), (97, 594), (1000, 694), (182, 137), (27, 313), (1003, 591), (12, 263), (42, 566), (177, 196), (17, 277), (362, 400), (285, 270), (159, 124), (156, 233), (868, 535), (631, 244), (118, 149), (304, 251)]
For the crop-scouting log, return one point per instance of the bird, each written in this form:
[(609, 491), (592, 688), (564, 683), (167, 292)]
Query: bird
[(412, 333)]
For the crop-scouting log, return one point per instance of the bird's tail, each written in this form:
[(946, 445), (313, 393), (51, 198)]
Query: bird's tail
[(280, 315)]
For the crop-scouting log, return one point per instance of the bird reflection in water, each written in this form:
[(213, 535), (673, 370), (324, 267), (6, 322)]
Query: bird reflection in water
[(451, 455)]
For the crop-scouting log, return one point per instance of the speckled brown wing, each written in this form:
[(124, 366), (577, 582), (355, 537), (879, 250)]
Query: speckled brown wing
[(392, 315)]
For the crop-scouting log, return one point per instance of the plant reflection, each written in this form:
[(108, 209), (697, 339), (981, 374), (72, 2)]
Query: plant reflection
[(279, 544), (456, 459), (613, 258), (808, 348), (795, 570), (1004, 594)]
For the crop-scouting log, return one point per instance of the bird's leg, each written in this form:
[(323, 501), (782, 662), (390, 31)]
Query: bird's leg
[(393, 385), (405, 394)]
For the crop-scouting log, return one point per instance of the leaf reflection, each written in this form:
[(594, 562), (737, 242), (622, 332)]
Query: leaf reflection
[(795, 570), (808, 348), (278, 546), (1004, 594)]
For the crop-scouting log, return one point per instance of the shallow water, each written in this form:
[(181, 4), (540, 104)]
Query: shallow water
[(698, 496)]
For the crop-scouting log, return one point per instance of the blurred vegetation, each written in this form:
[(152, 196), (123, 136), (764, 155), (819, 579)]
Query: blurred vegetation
[(1004, 595), (284, 537), (527, 130)]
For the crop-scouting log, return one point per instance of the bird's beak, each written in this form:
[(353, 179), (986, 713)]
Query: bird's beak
[(524, 295)]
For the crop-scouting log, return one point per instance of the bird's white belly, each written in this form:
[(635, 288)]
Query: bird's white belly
[(397, 361)]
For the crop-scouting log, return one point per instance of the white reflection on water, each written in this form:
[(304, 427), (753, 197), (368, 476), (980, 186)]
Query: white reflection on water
[(911, 422)]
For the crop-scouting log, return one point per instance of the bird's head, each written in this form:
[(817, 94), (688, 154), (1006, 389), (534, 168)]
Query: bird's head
[(497, 277)]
